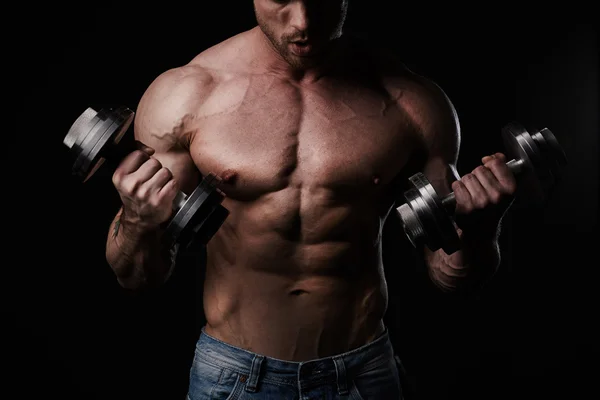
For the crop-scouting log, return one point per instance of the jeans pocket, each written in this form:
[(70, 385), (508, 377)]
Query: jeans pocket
[(354, 393), (381, 383), (230, 386), (211, 382)]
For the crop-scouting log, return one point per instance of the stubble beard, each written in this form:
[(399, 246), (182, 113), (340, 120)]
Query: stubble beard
[(282, 48)]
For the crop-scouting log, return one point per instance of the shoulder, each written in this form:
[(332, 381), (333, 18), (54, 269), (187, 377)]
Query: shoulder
[(177, 95), (427, 105), (432, 113), (183, 89), (172, 97), (183, 85), (429, 117), (422, 99), (429, 109)]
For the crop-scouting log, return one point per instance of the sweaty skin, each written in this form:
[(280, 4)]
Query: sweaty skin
[(310, 168)]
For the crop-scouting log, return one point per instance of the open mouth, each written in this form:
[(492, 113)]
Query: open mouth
[(301, 48)]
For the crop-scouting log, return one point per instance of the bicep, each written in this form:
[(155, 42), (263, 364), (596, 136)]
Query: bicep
[(162, 119), (172, 155), (440, 171), (441, 138), (438, 131)]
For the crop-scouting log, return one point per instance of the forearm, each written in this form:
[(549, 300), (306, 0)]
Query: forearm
[(470, 267), (136, 255)]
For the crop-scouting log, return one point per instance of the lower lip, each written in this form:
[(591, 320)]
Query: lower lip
[(301, 50)]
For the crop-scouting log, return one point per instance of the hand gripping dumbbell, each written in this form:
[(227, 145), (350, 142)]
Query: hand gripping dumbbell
[(96, 137), (536, 159)]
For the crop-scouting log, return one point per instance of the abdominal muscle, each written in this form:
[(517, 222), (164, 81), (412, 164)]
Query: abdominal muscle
[(289, 298)]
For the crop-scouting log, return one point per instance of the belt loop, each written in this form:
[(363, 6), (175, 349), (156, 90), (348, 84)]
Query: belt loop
[(252, 382), (340, 371)]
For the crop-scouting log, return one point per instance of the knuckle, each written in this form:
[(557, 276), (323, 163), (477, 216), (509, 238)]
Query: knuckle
[(498, 163), (511, 184), (169, 190), (479, 203), (142, 193), (130, 186), (165, 171), (495, 197), (509, 189), (161, 202), (173, 187), (139, 154), (117, 177), (153, 163), (467, 207), (154, 202), (507, 185)]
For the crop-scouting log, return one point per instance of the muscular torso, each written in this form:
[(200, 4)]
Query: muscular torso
[(295, 272)]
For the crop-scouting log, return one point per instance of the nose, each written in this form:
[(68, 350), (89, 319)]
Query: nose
[(299, 17)]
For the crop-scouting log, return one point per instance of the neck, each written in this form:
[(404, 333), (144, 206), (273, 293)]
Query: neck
[(270, 59)]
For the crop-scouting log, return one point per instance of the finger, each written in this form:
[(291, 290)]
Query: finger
[(496, 156), (500, 157), (130, 164), (169, 190), (504, 176), (146, 149), (486, 159), (463, 198), (476, 190), (156, 182), (147, 170), (488, 181)]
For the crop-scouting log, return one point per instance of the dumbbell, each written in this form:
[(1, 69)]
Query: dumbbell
[(96, 137), (536, 160)]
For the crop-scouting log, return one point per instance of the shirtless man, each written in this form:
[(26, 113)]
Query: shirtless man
[(313, 134)]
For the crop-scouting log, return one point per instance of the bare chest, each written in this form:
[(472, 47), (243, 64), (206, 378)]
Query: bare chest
[(269, 134)]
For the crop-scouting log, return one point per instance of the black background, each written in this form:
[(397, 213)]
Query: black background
[(68, 331)]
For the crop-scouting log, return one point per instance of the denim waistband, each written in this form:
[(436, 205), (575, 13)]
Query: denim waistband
[(339, 368)]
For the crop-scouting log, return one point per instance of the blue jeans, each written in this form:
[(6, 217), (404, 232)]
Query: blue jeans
[(224, 372)]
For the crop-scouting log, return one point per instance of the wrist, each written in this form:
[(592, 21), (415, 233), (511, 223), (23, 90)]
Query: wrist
[(133, 226)]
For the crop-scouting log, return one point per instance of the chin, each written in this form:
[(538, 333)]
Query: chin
[(301, 62)]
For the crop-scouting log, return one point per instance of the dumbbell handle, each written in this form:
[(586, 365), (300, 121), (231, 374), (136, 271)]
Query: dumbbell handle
[(179, 200), (449, 201)]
